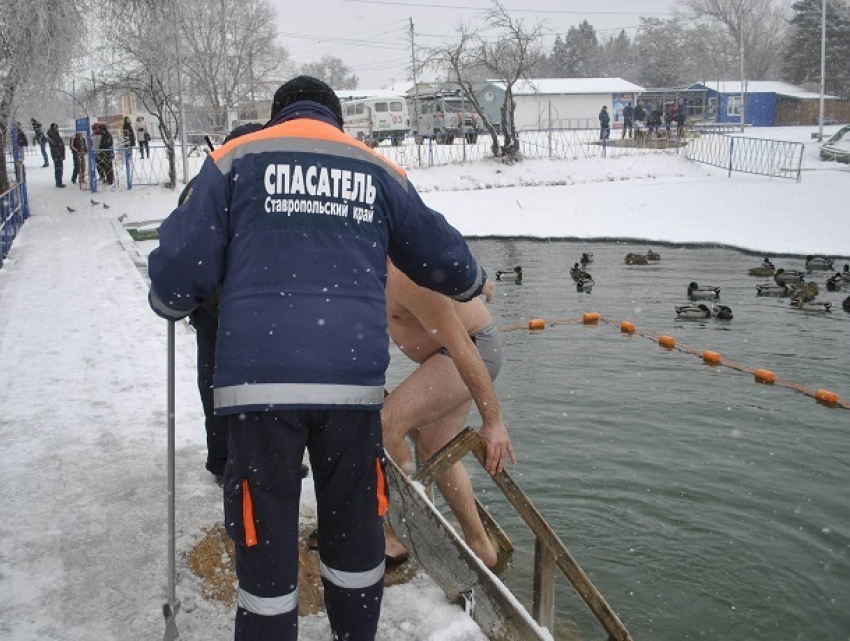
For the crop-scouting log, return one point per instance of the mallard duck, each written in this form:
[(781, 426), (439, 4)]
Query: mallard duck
[(769, 289), (835, 282), (586, 258), (514, 274), (846, 304), (810, 305), (788, 277), (636, 259), (693, 312), (585, 284), (722, 312), (765, 270), (806, 291), (818, 263), (577, 273), (651, 255), (708, 293)]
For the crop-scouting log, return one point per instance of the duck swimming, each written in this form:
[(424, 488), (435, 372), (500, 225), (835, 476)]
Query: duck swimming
[(693, 312), (818, 263), (769, 289), (577, 273), (636, 259), (835, 282), (585, 284), (810, 305), (514, 275), (722, 312), (788, 277), (651, 255), (708, 293), (586, 258), (846, 304), (806, 291)]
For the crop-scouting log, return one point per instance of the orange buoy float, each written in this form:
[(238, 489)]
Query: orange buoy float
[(591, 318), (537, 323), (667, 341), (627, 328), (826, 397), (765, 376), (712, 358)]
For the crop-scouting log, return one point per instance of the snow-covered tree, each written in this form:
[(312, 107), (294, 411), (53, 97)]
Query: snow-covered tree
[(618, 58), (143, 39), (803, 48), (333, 71), (37, 44)]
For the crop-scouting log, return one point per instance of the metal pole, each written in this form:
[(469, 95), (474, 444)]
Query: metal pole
[(416, 98), (822, 69), (172, 605), (743, 93), (180, 107)]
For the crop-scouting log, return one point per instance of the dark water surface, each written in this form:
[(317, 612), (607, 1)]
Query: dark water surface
[(701, 504)]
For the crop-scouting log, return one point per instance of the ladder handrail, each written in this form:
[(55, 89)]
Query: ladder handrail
[(469, 440)]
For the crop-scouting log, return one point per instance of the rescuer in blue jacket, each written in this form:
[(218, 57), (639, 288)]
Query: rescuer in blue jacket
[(294, 223)]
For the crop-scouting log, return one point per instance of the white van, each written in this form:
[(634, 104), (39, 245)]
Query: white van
[(375, 119), (444, 117)]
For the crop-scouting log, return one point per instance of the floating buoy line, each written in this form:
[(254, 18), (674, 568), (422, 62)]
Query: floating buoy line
[(760, 375)]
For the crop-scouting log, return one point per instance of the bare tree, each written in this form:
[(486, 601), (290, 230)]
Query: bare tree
[(232, 53), (37, 40), (760, 25), (510, 58), (457, 59), (333, 71)]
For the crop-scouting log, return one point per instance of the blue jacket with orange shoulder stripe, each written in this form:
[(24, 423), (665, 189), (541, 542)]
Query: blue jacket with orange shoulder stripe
[(295, 223)]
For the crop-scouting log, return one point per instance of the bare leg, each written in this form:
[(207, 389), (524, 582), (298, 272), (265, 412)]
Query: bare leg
[(433, 402)]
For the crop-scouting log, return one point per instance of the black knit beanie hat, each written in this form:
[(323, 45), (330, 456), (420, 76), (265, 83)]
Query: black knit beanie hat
[(307, 88)]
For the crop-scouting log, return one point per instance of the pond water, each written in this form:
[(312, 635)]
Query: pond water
[(701, 504)]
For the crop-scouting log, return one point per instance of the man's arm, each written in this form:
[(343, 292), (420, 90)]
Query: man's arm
[(437, 315)]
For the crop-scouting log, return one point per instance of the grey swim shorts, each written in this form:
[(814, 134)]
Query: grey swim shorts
[(489, 345)]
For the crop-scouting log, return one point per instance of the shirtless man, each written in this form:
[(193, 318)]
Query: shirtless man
[(459, 353)]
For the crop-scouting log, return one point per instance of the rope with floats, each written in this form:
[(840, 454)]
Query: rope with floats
[(760, 375)]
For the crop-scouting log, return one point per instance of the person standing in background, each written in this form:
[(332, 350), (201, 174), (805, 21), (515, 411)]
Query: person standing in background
[(604, 124), (128, 136), (40, 139), (143, 137), (628, 116), (79, 149), (106, 155), (57, 151)]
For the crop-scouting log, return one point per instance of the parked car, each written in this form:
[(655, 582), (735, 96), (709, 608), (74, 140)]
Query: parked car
[(838, 147)]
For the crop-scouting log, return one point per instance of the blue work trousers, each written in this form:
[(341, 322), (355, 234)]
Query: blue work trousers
[(262, 491)]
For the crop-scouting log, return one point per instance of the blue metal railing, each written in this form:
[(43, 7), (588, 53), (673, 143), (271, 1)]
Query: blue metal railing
[(14, 207), (775, 158)]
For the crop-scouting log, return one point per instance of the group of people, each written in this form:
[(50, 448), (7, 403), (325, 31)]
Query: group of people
[(301, 271), (102, 143), (642, 122)]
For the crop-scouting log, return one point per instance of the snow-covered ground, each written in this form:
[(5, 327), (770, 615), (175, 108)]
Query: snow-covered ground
[(82, 391)]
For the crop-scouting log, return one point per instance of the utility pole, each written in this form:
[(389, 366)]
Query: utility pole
[(224, 64), (822, 69), (181, 110), (743, 81), (416, 95)]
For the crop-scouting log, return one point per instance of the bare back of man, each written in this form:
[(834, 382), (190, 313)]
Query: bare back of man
[(432, 403)]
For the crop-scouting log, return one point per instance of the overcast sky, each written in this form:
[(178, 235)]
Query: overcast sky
[(373, 36)]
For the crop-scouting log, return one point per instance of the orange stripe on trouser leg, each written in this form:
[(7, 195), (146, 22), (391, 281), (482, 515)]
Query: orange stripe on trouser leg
[(383, 503), (248, 515)]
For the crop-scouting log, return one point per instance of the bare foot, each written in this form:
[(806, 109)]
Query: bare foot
[(484, 550), (394, 548)]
